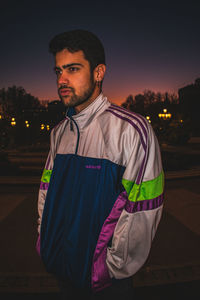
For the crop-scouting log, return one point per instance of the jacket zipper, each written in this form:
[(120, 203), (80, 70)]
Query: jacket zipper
[(78, 132)]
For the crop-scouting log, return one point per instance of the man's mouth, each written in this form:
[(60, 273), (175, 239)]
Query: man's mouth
[(64, 91)]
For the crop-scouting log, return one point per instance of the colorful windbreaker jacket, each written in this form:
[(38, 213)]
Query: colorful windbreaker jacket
[(101, 195)]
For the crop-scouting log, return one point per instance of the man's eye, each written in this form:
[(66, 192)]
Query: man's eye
[(73, 69), (58, 72)]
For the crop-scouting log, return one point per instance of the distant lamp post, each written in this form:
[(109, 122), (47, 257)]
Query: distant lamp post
[(27, 124), (48, 128), (165, 115), (13, 122), (148, 119), (0, 117), (42, 127)]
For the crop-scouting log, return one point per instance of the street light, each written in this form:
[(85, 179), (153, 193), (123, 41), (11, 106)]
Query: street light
[(148, 119), (27, 124), (13, 122), (165, 115)]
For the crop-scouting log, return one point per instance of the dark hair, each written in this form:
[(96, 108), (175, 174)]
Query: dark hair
[(76, 40)]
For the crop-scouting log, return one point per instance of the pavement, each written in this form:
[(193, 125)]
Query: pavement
[(173, 266)]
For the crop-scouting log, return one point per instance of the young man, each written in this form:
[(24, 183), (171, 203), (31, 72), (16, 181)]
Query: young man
[(101, 193)]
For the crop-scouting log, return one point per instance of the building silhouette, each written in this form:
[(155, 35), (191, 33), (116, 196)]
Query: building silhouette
[(189, 100)]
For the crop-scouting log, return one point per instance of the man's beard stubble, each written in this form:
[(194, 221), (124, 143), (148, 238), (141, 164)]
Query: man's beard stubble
[(75, 99)]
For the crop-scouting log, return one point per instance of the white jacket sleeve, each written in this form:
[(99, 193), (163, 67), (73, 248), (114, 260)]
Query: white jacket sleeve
[(44, 184), (143, 181)]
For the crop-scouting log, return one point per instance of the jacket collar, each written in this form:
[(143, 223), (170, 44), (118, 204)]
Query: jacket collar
[(84, 117)]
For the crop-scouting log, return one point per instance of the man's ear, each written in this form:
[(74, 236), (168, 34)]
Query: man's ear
[(99, 72)]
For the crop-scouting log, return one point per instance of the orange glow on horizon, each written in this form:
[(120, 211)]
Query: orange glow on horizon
[(116, 100), (112, 94)]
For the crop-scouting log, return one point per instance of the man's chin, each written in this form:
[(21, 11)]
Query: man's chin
[(66, 100)]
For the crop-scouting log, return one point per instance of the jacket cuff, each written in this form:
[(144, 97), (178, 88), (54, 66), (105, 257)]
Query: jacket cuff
[(100, 274), (37, 247)]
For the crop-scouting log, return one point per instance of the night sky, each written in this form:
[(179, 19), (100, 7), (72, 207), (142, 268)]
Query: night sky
[(149, 45)]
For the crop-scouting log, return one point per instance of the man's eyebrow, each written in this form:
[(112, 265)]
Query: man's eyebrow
[(68, 66), (71, 65)]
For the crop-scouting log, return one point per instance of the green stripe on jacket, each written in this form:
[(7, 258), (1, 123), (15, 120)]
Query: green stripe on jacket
[(146, 190), (46, 175)]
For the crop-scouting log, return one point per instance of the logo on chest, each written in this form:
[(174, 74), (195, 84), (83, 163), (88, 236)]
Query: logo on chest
[(95, 167)]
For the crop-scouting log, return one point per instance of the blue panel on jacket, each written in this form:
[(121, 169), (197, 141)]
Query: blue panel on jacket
[(81, 194)]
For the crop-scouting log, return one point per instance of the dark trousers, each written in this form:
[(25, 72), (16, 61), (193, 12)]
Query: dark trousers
[(119, 290)]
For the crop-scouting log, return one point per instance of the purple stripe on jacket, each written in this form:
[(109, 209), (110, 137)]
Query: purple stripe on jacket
[(133, 115), (133, 124), (100, 275), (44, 186), (143, 126), (132, 207), (144, 144)]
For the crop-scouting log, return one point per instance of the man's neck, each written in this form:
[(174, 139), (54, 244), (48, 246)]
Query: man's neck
[(82, 106)]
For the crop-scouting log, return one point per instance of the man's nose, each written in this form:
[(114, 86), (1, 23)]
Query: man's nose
[(63, 79)]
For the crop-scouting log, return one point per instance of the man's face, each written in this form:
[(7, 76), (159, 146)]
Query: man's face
[(76, 86)]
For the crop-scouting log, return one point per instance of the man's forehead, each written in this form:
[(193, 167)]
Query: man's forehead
[(67, 56)]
